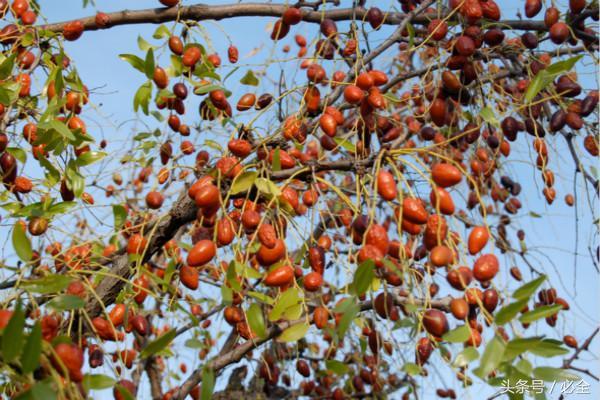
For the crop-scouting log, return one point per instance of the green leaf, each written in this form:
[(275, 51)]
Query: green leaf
[(167, 94), (344, 305), (540, 312), (294, 333), (12, 338), (213, 145), (141, 136), (507, 313), (292, 313), (563, 66), (458, 335), (276, 164), (261, 297), (13, 208), (149, 63), (288, 299), (9, 92), (524, 366), (75, 181), (351, 312), (336, 366), (232, 277), (120, 216), (143, 44), (30, 359), (243, 182), (535, 345), (466, 356), (525, 291), (5, 96), (21, 242), (27, 39), (97, 382), (61, 208), (176, 65), (90, 157), (158, 116), (135, 61), (66, 302), (7, 66), (550, 374), (226, 294), (548, 348), (52, 174), (124, 392), (363, 277), (59, 127), (546, 76), (540, 81), (57, 76), (158, 344), (18, 153), (33, 209), (256, 320), (48, 284), (411, 35), (345, 144), (161, 32), (40, 391), (249, 79), (267, 186), (194, 344), (488, 116), (203, 89), (492, 356), (208, 384), (249, 272), (142, 97), (411, 369)]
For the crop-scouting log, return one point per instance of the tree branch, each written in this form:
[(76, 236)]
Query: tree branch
[(200, 12), (183, 212), (393, 38), (154, 377), (235, 355), (578, 165), (585, 346)]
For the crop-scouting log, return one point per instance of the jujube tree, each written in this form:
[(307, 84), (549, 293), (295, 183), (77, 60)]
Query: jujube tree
[(342, 219)]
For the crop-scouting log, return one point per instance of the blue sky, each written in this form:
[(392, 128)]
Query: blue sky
[(550, 239)]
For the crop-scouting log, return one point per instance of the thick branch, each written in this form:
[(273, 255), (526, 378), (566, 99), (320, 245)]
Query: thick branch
[(155, 378), (235, 355), (183, 212), (313, 167), (200, 12)]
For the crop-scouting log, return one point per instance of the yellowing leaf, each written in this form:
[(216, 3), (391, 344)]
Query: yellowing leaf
[(294, 333)]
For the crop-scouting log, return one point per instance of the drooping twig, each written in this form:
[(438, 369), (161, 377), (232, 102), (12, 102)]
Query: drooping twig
[(579, 166)]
